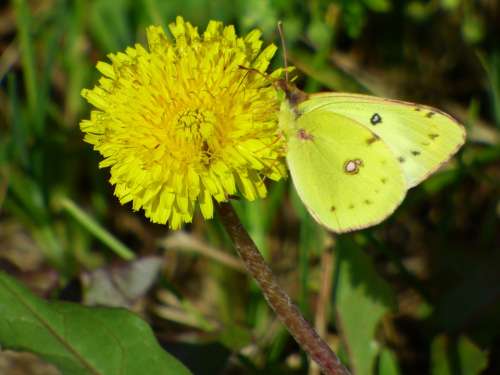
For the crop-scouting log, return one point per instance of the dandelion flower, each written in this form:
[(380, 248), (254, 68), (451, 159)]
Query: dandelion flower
[(182, 123)]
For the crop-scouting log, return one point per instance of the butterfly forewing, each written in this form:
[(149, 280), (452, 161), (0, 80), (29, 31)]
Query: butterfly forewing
[(422, 138)]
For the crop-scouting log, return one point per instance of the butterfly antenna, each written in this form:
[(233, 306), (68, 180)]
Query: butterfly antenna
[(253, 70), (283, 45)]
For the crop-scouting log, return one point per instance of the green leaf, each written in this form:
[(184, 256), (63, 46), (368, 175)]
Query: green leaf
[(457, 356), (362, 297), (388, 363), (80, 340)]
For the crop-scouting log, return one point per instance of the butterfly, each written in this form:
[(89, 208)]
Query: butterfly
[(353, 157)]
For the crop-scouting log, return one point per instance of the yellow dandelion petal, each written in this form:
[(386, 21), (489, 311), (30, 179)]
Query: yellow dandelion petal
[(206, 205), (157, 39), (181, 124), (106, 69)]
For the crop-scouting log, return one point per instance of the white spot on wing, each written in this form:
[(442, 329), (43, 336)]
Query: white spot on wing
[(352, 166)]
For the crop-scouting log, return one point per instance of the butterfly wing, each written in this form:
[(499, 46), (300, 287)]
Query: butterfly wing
[(345, 182), (421, 137)]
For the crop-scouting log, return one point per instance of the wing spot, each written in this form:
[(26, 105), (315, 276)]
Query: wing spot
[(401, 159), (352, 166), (351, 206), (433, 136), (373, 139), (425, 143), (367, 202), (415, 153), (333, 208), (383, 180), (430, 114), (417, 109), (376, 119), (304, 135)]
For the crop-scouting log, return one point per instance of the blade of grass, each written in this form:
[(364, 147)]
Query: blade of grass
[(24, 22), (96, 229), (153, 12), (492, 67), (4, 183), (76, 63), (18, 150), (50, 39)]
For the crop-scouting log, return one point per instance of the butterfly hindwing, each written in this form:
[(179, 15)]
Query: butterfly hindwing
[(346, 180), (422, 138)]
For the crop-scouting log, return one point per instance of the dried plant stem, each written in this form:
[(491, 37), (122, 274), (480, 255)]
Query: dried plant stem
[(184, 242), (277, 298)]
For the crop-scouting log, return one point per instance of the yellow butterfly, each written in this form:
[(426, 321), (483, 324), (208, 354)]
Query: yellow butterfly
[(353, 157)]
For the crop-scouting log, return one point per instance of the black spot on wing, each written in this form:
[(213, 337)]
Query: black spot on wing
[(401, 159), (415, 152), (433, 136), (430, 114), (375, 119), (372, 140)]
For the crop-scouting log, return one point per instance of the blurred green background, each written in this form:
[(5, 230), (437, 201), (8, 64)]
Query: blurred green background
[(418, 294)]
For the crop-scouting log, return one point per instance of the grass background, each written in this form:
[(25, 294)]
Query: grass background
[(426, 281)]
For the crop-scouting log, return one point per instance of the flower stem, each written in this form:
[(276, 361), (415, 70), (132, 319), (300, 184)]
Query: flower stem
[(277, 298)]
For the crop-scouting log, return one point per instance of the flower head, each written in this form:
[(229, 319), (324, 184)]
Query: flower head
[(182, 123)]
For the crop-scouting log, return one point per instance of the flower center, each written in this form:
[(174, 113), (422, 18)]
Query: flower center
[(195, 125)]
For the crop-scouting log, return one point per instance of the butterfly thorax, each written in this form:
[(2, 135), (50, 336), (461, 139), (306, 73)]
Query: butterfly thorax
[(289, 107)]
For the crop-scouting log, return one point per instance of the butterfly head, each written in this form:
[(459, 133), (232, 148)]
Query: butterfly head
[(294, 95)]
